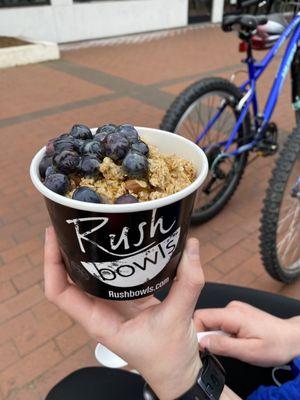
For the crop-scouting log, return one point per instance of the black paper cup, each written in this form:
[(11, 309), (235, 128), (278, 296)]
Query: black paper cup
[(125, 251)]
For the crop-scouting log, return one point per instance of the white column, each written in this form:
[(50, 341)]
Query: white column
[(217, 10), (185, 4)]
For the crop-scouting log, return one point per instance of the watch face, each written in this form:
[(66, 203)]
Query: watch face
[(212, 378)]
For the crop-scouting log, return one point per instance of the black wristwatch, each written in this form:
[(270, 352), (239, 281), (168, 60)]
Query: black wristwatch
[(209, 384)]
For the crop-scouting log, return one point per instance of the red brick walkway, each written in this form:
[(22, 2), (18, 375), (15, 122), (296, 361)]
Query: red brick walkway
[(135, 83)]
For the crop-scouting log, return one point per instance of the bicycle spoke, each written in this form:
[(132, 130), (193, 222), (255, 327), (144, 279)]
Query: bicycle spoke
[(190, 132), (285, 218), (224, 124), (191, 125), (198, 119), (194, 121), (221, 121), (288, 228), (203, 124)]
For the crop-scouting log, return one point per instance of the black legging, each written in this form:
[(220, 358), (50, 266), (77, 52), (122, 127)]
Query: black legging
[(96, 383)]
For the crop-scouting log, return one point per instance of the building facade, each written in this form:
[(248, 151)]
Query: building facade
[(64, 21)]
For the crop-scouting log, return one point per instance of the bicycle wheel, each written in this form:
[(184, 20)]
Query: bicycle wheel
[(280, 222), (188, 115)]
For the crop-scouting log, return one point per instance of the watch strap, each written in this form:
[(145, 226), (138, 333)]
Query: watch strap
[(209, 383)]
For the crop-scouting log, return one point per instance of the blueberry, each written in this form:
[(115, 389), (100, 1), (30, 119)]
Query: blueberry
[(129, 132), (50, 147), (50, 171), (45, 162), (102, 133), (78, 144), (126, 199), (66, 161), (93, 147), (101, 137), (58, 183), (62, 144), (108, 128), (86, 194), (135, 165), (81, 132), (140, 147), (116, 146), (89, 166), (63, 136)]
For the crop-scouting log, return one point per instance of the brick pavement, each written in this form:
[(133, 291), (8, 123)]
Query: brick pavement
[(132, 82)]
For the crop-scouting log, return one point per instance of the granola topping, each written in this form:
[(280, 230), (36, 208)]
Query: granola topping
[(167, 175), (115, 165)]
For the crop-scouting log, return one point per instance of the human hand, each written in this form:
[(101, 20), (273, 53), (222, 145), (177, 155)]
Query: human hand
[(157, 339), (256, 336)]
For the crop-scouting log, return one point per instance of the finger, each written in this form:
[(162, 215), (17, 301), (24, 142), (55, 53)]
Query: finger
[(200, 327), (225, 319), (84, 309), (242, 349), (57, 287), (56, 280), (186, 288)]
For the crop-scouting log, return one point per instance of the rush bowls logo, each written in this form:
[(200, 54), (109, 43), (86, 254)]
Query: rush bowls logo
[(137, 264)]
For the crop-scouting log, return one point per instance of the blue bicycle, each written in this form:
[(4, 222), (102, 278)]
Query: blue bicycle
[(225, 121)]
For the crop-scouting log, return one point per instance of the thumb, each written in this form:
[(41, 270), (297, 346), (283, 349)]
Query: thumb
[(187, 286), (226, 346)]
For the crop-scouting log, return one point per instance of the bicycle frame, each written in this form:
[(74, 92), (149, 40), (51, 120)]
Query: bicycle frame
[(255, 70)]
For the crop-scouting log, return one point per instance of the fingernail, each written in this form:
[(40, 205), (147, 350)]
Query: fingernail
[(193, 249)]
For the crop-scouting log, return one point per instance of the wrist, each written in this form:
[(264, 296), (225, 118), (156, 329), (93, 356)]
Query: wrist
[(173, 388), (177, 383), (228, 394), (293, 339)]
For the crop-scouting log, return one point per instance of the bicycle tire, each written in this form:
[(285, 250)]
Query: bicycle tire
[(271, 209), (177, 110)]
